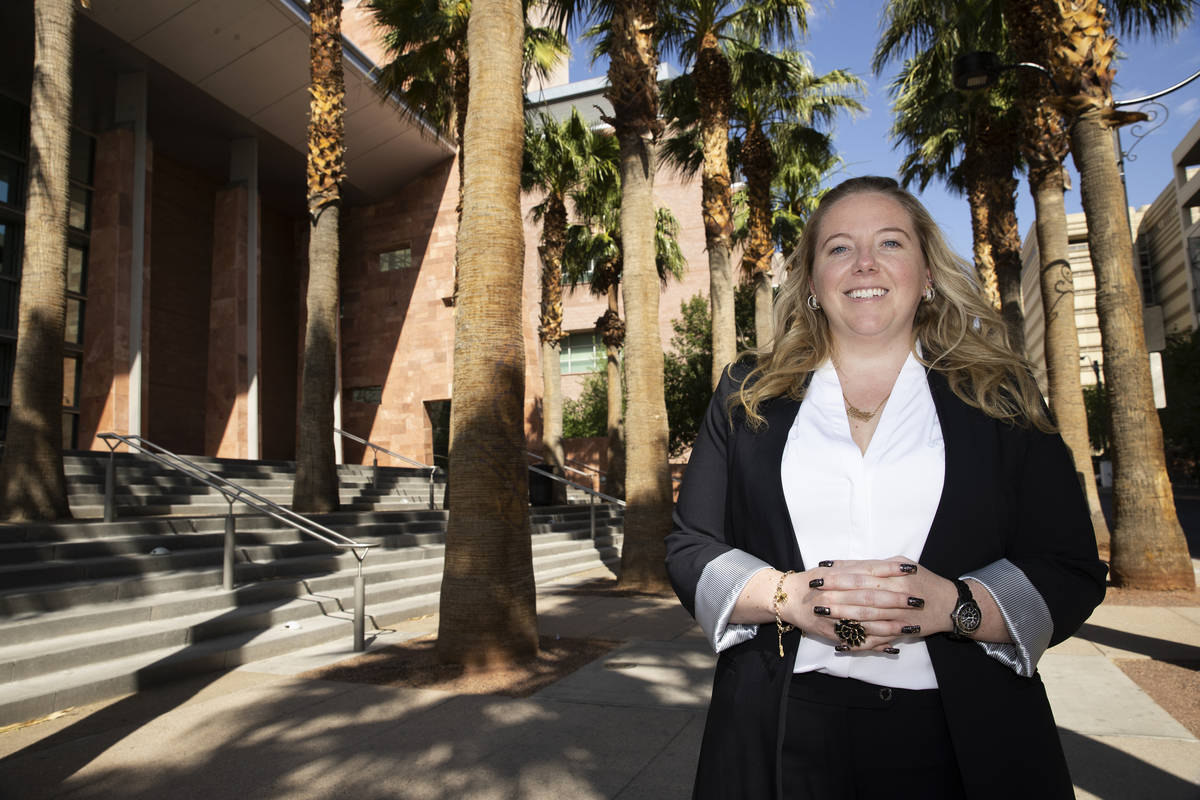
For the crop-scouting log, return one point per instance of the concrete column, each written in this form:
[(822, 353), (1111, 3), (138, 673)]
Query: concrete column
[(131, 110), (243, 170)]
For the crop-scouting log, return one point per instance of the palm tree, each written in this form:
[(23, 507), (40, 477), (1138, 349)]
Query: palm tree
[(427, 43), (32, 483), (782, 115), (594, 249), (1148, 546), (558, 157), (697, 30), (1043, 141), (968, 142), (488, 614), (316, 486)]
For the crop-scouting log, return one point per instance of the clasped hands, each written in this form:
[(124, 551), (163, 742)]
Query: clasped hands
[(890, 599)]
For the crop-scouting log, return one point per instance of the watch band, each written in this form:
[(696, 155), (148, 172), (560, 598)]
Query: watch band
[(965, 617)]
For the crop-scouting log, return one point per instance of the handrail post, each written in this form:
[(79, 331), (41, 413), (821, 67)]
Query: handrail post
[(110, 480), (432, 472), (360, 601), (592, 506), (227, 561), (374, 469)]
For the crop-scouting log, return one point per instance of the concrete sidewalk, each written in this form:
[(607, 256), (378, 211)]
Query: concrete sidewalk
[(626, 726)]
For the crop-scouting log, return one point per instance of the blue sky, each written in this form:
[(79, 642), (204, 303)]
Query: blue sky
[(843, 36)]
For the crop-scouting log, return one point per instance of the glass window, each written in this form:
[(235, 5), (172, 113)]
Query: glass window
[(70, 429), (80, 208), (582, 352), (367, 394), (74, 328), (81, 157), (10, 182), (12, 126), (76, 261), (9, 294), (7, 356), (8, 249), (70, 381), (400, 258)]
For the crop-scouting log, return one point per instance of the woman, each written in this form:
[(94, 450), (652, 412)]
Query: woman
[(880, 533)]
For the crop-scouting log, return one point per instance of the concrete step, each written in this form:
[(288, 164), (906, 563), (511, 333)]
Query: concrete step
[(53, 660)]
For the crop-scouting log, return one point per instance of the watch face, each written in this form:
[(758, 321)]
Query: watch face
[(967, 616)]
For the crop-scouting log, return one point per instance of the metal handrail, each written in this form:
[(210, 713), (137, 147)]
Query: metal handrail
[(591, 493), (377, 449), (235, 493), (603, 475)]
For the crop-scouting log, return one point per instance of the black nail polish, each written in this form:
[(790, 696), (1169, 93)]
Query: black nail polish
[(908, 569), (907, 629), (825, 564), (891, 651), (841, 648), (821, 611), (916, 602), (816, 583)]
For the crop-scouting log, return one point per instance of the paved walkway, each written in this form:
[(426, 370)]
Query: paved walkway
[(627, 726)]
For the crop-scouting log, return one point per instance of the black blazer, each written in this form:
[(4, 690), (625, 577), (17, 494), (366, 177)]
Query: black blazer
[(1009, 492)]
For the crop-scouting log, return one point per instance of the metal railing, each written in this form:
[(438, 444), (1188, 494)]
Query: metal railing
[(234, 493), (377, 449), (591, 493)]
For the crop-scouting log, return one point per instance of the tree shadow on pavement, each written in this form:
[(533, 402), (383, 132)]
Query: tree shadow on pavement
[(1114, 774)]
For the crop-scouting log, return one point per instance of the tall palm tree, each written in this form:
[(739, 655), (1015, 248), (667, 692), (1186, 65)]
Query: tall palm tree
[(1148, 546), (1044, 145), (782, 115), (488, 613), (316, 485), (32, 483), (969, 142), (697, 30), (594, 249), (558, 157)]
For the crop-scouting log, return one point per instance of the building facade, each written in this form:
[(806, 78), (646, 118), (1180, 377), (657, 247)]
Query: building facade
[(1166, 240), (188, 236)]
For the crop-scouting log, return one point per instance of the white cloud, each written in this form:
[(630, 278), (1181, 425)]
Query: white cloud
[(1188, 107)]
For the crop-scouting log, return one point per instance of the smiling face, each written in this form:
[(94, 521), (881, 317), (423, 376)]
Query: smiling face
[(868, 270)]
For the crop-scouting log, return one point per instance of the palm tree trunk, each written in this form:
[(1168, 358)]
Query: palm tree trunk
[(1148, 547), (758, 160), (633, 91), (614, 338), (550, 332), (980, 242), (32, 483), (488, 606), (1004, 237), (316, 485), (1062, 337), (713, 92)]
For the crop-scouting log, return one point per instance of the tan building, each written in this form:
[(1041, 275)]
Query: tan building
[(188, 236), (1166, 237)]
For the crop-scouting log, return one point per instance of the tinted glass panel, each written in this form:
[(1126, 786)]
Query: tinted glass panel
[(8, 304), (7, 354), (7, 256), (12, 126), (81, 157), (70, 425), (10, 182), (74, 332), (70, 381), (80, 202), (76, 259)]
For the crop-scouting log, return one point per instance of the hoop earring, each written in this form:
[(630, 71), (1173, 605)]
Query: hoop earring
[(929, 293), (812, 302)]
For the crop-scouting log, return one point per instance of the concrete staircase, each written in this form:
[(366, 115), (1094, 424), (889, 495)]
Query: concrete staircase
[(91, 610)]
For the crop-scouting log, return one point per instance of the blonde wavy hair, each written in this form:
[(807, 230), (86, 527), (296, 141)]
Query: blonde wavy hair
[(961, 334)]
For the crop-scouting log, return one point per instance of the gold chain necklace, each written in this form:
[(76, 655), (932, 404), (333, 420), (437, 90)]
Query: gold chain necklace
[(858, 413)]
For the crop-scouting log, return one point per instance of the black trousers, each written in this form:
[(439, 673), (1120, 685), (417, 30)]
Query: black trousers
[(850, 740)]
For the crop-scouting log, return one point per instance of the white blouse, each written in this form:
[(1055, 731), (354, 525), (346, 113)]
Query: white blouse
[(846, 504)]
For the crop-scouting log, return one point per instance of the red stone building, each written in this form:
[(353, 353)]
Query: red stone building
[(188, 235)]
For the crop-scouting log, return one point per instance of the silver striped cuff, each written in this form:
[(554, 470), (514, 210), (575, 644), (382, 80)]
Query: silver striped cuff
[(717, 591), (1025, 614)]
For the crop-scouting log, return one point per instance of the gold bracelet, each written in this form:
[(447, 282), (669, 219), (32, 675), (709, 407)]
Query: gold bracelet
[(779, 599)]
